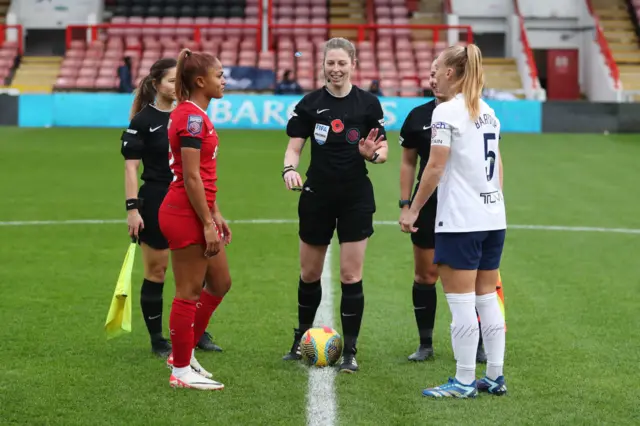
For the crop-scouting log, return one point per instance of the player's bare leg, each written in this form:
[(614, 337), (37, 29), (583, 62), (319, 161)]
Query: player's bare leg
[(309, 293)]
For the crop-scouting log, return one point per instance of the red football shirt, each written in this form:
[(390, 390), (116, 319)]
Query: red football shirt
[(190, 126)]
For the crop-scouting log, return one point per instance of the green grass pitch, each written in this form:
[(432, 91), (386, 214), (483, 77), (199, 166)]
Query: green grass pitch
[(572, 297)]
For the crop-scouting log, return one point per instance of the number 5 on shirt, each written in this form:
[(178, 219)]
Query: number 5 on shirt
[(489, 155)]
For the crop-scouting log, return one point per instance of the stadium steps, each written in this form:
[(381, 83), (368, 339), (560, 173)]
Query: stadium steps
[(501, 74), (620, 32), (347, 12), (4, 9), (37, 74), (429, 13)]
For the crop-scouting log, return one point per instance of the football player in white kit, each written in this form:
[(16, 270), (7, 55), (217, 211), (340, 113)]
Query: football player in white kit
[(465, 165)]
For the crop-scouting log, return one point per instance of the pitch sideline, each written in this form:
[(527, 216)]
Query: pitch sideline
[(290, 221)]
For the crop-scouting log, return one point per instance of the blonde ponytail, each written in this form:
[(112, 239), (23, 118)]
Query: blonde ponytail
[(467, 63), (473, 80)]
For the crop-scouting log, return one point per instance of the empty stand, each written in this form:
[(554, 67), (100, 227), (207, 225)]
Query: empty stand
[(400, 58), (620, 34), (179, 8), (9, 52), (36, 74), (228, 29), (4, 9)]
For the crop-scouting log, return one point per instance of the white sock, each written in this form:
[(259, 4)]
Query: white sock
[(464, 335), (453, 345), (181, 371), (493, 334)]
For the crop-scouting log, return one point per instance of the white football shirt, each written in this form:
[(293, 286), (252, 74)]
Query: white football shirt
[(469, 195)]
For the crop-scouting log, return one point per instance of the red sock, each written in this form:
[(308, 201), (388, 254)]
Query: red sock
[(207, 305), (181, 320)]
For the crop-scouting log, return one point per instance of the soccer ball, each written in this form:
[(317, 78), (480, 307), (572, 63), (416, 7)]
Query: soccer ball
[(321, 346)]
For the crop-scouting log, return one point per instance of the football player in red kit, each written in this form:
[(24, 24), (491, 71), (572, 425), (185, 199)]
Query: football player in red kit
[(190, 218)]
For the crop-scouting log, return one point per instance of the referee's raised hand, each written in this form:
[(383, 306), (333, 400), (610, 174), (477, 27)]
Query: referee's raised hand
[(371, 144)]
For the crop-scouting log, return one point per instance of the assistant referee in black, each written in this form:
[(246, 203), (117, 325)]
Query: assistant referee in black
[(345, 126)]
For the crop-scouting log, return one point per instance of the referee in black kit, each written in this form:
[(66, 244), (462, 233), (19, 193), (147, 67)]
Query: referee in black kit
[(146, 141), (346, 127), (415, 139)]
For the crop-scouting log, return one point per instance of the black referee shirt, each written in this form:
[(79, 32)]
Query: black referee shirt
[(416, 132), (335, 126), (146, 139)]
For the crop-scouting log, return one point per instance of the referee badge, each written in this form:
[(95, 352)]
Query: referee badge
[(353, 136), (320, 133), (194, 125)]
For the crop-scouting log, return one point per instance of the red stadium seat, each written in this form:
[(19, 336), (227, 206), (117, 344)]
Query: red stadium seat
[(116, 20), (169, 22), (88, 72), (383, 12), (251, 11), (73, 53), (185, 20), (400, 12), (306, 83), (154, 20), (105, 83), (135, 31), (389, 87), (65, 83), (76, 44), (408, 88), (85, 82)]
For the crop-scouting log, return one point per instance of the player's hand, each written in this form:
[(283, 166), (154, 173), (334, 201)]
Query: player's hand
[(371, 144), (212, 238), (223, 226), (292, 180), (407, 219), (135, 223)]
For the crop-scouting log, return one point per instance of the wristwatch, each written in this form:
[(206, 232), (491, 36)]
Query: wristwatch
[(403, 203)]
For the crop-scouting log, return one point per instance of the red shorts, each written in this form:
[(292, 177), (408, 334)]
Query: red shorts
[(179, 223), (181, 228)]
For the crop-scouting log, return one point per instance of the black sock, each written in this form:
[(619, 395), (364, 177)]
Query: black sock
[(351, 310), (425, 300), (309, 297), (151, 303)]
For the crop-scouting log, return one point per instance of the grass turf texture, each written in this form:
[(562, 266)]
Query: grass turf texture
[(572, 297)]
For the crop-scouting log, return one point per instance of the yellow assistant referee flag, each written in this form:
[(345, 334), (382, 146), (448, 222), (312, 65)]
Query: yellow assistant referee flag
[(119, 316)]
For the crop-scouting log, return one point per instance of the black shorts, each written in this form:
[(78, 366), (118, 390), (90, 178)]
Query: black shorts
[(151, 196), (425, 237), (349, 208)]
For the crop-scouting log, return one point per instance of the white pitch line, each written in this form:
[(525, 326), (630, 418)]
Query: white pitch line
[(321, 396), (289, 221)]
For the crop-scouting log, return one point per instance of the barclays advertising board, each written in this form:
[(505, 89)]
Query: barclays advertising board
[(234, 111)]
